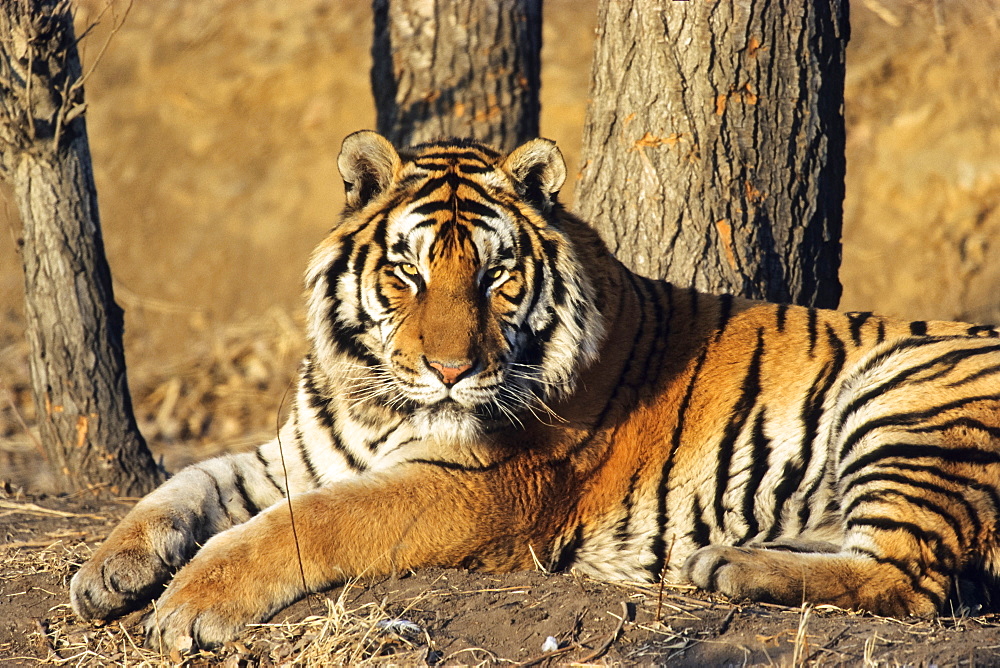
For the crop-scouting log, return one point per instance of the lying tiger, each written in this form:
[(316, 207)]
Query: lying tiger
[(487, 385)]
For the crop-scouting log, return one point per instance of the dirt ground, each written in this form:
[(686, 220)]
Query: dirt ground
[(214, 126), (446, 617)]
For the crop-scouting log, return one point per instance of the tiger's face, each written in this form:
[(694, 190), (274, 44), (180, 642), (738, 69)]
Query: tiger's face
[(448, 291)]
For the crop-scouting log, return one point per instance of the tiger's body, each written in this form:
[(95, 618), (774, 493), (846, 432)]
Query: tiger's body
[(487, 385)]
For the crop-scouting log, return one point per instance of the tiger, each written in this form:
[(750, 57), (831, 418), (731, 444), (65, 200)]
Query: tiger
[(487, 387)]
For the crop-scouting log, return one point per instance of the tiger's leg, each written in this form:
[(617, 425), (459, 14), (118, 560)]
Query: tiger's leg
[(911, 526), (376, 525), (846, 579), (165, 528)]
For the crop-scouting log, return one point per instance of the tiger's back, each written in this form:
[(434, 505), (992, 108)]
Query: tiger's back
[(488, 386)]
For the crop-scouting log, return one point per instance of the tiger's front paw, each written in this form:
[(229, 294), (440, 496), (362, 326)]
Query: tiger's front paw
[(129, 569), (212, 599), (195, 614)]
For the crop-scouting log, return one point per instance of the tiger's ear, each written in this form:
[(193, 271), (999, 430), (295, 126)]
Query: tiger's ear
[(367, 164), (539, 170)]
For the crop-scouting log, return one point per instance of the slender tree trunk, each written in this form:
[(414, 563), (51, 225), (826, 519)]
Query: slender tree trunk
[(713, 150), (74, 327), (457, 69)]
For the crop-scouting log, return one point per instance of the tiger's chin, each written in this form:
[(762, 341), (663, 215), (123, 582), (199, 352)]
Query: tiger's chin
[(450, 421)]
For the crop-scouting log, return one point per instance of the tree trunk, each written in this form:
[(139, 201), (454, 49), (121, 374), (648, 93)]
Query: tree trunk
[(457, 69), (713, 150), (74, 327)]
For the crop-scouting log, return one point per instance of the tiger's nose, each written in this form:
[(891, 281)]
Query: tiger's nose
[(450, 372)]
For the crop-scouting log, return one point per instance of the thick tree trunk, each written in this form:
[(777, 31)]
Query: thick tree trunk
[(713, 150), (74, 327), (457, 69)]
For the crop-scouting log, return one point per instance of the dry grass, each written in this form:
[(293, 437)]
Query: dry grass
[(222, 394), (227, 385), (339, 634)]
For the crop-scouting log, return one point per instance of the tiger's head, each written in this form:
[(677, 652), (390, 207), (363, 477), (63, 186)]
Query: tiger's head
[(450, 290)]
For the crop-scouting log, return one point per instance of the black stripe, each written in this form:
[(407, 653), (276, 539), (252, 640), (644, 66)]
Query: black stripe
[(505, 253), (700, 533), (428, 188), (483, 225), (333, 273), (879, 478), (906, 419), (456, 466), (481, 192), (880, 336), (325, 410), (567, 555), (318, 402), (980, 373), (304, 454), (962, 481), (857, 321), (911, 451), (477, 209), (918, 328), (963, 422), (383, 300), (345, 339), (951, 358), (374, 444), (725, 312), (352, 461), (907, 569), (780, 314), (241, 489), (427, 208), (400, 246), (550, 250), (358, 268), (739, 414), (433, 165), (466, 168), (812, 413), (760, 456), (944, 554), (983, 330), (530, 252), (788, 482), (422, 225), (622, 533), (267, 473), (659, 544), (455, 155), (515, 299), (218, 497)]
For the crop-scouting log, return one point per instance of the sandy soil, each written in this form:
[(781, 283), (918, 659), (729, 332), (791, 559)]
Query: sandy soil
[(446, 617)]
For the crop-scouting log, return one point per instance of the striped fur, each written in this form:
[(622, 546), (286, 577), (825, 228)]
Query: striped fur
[(487, 385)]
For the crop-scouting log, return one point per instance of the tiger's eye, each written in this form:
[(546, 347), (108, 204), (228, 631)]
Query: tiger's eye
[(409, 269), (494, 273)]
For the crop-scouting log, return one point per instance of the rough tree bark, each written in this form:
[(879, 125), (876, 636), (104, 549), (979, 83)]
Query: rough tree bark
[(713, 150), (74, 327), (457, 69)]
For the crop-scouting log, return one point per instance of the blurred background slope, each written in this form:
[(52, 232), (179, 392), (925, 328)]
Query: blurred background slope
[(215, 127)]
